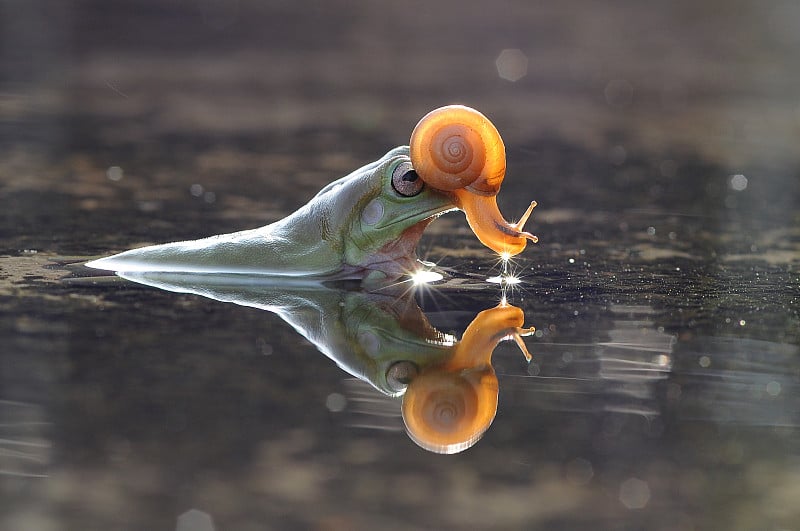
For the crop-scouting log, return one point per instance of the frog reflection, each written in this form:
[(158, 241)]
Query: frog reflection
[(448, 387)]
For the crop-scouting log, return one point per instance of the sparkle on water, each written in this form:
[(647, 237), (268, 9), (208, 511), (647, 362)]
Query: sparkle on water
[(504, 278), (425, 277)]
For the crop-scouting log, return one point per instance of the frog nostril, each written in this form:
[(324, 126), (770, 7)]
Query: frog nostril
[(372, 213)]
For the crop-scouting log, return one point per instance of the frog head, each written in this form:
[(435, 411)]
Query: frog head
[(381, 212)]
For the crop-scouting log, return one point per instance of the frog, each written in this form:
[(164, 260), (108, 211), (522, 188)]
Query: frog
[(365, 225)]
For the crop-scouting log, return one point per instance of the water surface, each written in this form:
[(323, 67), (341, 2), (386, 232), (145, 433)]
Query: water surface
[(660, 143)]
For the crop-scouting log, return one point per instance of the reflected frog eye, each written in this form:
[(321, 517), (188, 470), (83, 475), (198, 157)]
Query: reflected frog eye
[(400, 375), (405, 180)]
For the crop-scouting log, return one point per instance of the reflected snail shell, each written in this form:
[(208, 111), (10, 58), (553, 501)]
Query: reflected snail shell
[(457, 147), (448, 412)]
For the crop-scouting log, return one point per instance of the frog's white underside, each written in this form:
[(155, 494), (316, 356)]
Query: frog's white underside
[(255, 251)]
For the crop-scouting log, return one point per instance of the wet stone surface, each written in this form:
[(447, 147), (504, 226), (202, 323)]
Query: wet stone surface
[(660, 144)]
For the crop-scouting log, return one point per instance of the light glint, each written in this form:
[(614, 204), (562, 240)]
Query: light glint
[(512, 64), (504, 280), (425, 277), (738, 182)]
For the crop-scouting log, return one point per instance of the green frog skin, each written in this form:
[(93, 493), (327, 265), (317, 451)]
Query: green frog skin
[(365, 333), (363, 226)]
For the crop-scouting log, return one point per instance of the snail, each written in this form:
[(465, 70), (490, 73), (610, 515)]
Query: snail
[(457, 149), (449, 406)]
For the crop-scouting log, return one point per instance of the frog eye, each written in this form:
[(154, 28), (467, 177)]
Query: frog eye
[(405, 180), (400, 374)]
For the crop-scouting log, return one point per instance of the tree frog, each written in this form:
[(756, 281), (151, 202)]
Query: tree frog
[(365, 225)]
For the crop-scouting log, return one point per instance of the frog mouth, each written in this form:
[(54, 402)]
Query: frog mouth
[(418, 216)]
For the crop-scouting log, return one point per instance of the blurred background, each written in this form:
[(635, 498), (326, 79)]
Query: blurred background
[(660, 140)]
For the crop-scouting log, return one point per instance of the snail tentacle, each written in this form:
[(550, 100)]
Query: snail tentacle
[(517, 336), (521, 223)]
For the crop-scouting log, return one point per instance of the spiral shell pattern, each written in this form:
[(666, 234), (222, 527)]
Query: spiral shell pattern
[(457, 147), (445, 409), (447, 413)]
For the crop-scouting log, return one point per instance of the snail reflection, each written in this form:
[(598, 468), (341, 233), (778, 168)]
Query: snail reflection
[(450, 404), (448, 387)]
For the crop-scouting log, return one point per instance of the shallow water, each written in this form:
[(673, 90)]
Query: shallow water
[(660, 143)]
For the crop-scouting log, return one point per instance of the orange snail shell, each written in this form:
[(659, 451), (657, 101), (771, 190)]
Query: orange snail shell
[(448, 412), (457, 150), (456, 147)]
